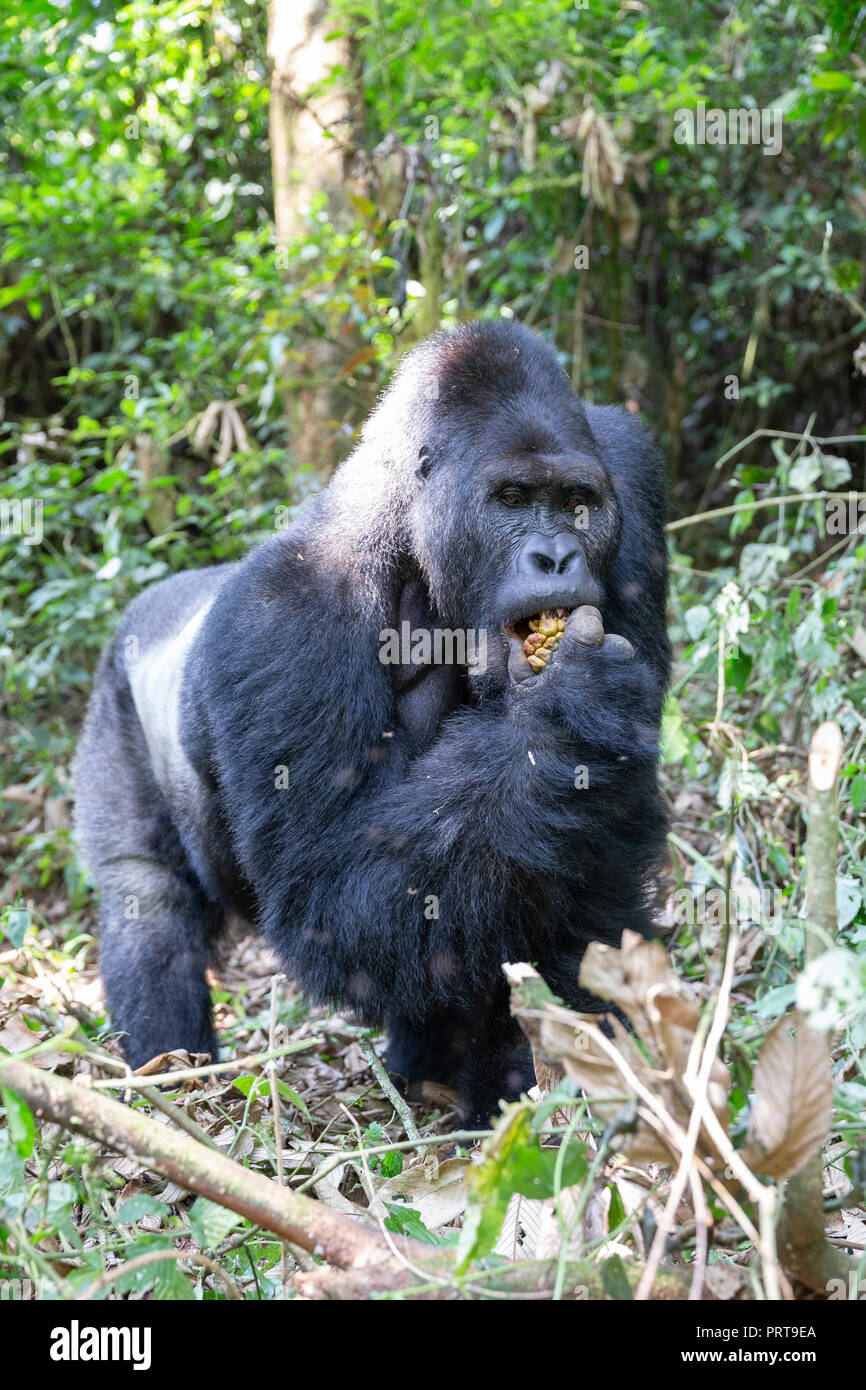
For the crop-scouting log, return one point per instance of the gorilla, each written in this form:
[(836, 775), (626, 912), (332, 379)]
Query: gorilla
[(342, 738)]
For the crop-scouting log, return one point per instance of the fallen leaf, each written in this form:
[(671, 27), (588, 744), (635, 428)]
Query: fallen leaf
[(793, 1103), (438, 1202)]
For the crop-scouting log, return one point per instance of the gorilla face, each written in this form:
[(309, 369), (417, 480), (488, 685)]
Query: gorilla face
[(535, 528), (557, 521)]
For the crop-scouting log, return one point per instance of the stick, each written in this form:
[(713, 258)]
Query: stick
[(803, 1246), (278, 1124), (301, 1220)]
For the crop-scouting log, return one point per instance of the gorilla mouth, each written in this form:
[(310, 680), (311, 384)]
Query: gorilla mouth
[(524, 626), (540, 635)]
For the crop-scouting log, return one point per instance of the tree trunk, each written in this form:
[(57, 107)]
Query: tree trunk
[(309, 136)]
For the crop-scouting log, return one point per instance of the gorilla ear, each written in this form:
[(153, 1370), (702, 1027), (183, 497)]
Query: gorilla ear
[(425, 463)]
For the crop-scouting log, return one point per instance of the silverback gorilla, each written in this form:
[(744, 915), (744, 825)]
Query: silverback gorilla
[(288, 737)]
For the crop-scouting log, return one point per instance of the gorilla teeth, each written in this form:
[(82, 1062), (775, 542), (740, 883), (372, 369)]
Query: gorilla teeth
[(545, 635)]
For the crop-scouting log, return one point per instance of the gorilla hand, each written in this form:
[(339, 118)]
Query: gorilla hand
[(583, 632)]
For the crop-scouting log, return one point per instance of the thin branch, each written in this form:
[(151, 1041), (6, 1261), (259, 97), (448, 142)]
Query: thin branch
[(806, 1252), (761, 502), (301, 1220), (278, 1123), (136, 1082), (153, 1257)]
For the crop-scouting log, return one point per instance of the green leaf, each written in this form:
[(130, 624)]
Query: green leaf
[(10, 294), (696, 620), (489, 1190), (617, 1214), (60, 1201), (171, 1285), (832, 81), (392, 1164), (137, 1207), (615, 1279), (533, 1170), (110, 480), (406, 1221), (674, 742), (494, 224), (293, 1098), (858, 793), (22, 1126), (835, 470), (252, 1085), (849, 895), (15, 922), (737, 669), (140, 1280), (513, 1162), (210, 1223), (11, 1163)]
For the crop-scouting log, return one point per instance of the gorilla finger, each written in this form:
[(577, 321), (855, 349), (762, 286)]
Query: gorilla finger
[(620, 648), (519, 668), (585, 626)]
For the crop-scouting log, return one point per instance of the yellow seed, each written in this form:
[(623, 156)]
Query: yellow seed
[(545, 636)]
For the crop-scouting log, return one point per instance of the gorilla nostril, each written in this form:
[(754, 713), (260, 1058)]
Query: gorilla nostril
[(553, 554), (545, 563), (568, 561)]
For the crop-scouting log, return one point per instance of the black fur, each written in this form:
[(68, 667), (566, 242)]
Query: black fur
[(405, 787)]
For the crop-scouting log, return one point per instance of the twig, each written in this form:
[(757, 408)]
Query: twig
[(701, 1075), (654, 1113), (806, 1252), (300, 1220), (153, 1257), (759, 503), (174, 1078), (175, 1112), (400, 1105), (278, 1123)]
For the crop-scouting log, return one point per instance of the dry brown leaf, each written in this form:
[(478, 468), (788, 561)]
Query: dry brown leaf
[(628, 975), (179, 1060), (327, 1189), (640, 981), (574, 1041), (793, 1103), (15, 1036), (438, 1201)]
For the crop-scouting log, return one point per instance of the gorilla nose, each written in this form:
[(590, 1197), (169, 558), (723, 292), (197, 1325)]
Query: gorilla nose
[(554, 555)]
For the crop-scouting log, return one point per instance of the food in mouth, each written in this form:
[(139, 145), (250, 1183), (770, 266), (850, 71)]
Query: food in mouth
[(533, 641), (545, 635)]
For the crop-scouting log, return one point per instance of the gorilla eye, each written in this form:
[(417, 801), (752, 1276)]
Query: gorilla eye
[(512, 496), (584, 498)]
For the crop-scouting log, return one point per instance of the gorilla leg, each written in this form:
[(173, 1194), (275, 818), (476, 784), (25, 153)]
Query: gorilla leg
[(158, 922), (153, 963), (479, 1052)]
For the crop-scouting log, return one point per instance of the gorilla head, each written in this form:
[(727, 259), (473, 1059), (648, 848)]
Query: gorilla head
[(399, 827), (480, 471)]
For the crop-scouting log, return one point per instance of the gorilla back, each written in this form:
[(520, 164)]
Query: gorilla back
[(413, 736)]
